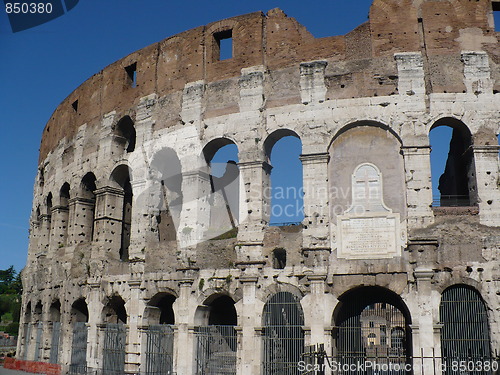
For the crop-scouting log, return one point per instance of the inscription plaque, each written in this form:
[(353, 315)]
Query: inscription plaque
[(368, 229)]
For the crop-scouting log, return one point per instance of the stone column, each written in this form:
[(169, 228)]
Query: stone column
[(44, 234), (418, 185), (477, 72), (254, 209), (423, 328), (184, 348), (95, 306), (108, 221), (66, 336), (249, 350), (316, 231), (487, 176), (135, 308), (81, 220)]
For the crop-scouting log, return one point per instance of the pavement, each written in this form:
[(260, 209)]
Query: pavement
[(4, 371)]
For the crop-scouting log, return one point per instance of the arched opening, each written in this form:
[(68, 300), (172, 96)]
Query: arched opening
[(55, 320), (125, 134), (79, 318), (63, 214), (48, 205), (372, 323), (160, 334), (121, 176), (465, 335), (221, 156), (283, 320), (114, 316), (166, 193), (87, 200), (283, 149), (216, 338), (452, 164), (38, 321)]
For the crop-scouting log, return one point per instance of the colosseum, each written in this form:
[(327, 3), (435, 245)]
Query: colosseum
[(143, 261)]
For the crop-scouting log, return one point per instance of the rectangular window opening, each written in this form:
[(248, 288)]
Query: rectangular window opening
[(132, 74), (75, 105), (224, 45), (496, 14)]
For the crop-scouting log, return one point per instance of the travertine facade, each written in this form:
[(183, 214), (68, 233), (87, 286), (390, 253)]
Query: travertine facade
[(110, 243)]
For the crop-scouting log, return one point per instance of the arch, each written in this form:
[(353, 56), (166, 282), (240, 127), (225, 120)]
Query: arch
[(48, 205), (159, 315), (125, 133), (64, 195), (79, 318), (453, 177), (366, 311), (465, 334), (282, 149), (221, 156), (121, 176), (88, 202), (114, 317), (283, 319), (55, 320), (370, 123), (159, 309), (215, 334), (38, 323), (214, 145)]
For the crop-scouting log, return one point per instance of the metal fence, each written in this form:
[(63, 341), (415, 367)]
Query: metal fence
[(79, 349), (215, 350), (451, 201), (315, 361), (465, 333), (283, 334), (54, 347), (159, 350), (113, 359)]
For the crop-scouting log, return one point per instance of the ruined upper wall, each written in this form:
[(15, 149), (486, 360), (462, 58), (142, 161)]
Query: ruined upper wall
[(439, 29)]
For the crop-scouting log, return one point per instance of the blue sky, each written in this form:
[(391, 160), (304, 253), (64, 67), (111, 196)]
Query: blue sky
[(42, 65)]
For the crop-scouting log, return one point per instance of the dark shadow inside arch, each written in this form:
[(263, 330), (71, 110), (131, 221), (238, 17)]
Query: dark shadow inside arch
[(125, 133), (452, 163), (372, 322), (114, 311), (163, 312), (121, 175), (79, 320)]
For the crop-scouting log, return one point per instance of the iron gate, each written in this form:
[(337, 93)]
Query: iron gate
[(159, 349), (79, 349), (54, 347), (38, 341), (113, 362), (373, 332), (215, 350), (465, 335), (283, 334)]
